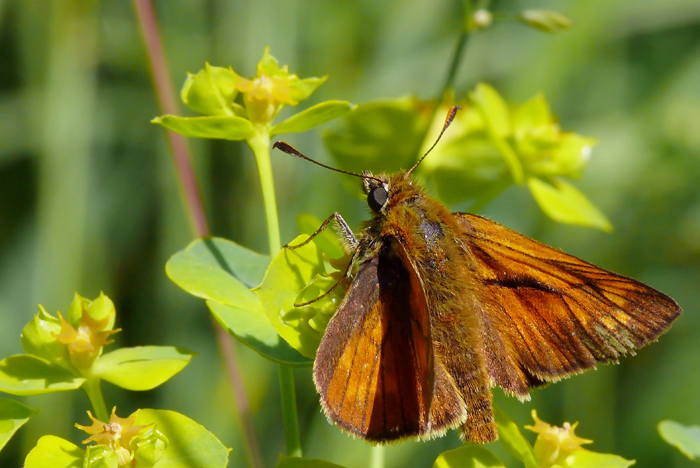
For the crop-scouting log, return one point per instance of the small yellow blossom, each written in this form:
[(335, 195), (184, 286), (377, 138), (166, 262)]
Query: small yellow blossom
[(271, 89), (115, 434), (554, 444), (85, 343)]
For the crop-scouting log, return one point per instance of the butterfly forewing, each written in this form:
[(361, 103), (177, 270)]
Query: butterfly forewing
[(559, 314), (374, 366)]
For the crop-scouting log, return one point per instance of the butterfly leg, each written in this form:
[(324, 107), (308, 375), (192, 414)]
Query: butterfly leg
[(345, 231)]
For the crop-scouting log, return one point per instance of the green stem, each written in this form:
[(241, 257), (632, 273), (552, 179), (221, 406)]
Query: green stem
[(454, 64), (260, 144), (94, 394), (377, 459), (289, 411)]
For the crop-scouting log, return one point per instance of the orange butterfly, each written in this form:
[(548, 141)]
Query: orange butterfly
[(442, 306)]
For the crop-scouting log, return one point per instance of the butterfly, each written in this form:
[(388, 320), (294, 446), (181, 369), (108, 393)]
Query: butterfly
[(443, 306)]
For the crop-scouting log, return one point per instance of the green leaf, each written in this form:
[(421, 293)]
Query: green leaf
[(468, 456), (98, 309), (564, 203), (289, 273), (684, 438), (54, 452), (23, 374), (513, 440), (189, 444), (299, 462), (312, 117), (493, 108), (100, 456), (219, 270), (302, 89), (222, 272), (142, 367), (223, 127), (587, 459), (381, 135), (13, 415), (327, 241), (38, 339), (211, 91), (253, 328)]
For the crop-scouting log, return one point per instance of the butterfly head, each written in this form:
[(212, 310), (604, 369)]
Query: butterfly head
[(377, 190)]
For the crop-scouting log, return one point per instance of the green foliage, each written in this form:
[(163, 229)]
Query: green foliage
[(13, 415), (469, 456), (167, 440), (488, 147), (684, 438), (298, 462), (61, 358), (222, 273), (292, 278)]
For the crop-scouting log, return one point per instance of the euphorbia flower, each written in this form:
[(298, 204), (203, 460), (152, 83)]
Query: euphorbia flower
[(85, 343), (555, 444), (115, 434), (273, 88)]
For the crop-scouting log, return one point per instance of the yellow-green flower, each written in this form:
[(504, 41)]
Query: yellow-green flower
[(85, 343), (273, 88), (555, 444), (115, 434)]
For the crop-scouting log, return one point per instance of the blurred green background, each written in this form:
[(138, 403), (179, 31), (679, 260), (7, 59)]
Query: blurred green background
[(89, 201)]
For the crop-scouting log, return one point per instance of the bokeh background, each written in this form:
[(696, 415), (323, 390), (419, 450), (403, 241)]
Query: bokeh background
[(89, 200)]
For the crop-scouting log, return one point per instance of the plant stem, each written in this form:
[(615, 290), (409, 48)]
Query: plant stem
[(289, 411), (260, 144), (454, 64), (167, 103), (94, 393), (377, 457)]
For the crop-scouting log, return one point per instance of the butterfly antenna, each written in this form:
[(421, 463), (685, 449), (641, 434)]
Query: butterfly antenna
[(450, 117), (289, 149)]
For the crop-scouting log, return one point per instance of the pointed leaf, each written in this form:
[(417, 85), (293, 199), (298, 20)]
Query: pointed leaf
[(468, 456), (302, 89), (38, 338), (684, 438), (219, 270), (223, 127), (142, 367), (13, 415), (211, 91), (253, 328), (312, 117), (564, 203), (513, 440), (289, 273), (23, 374), (189, 443), (493, 108), (54, 452), (587, 459), (299, 462)]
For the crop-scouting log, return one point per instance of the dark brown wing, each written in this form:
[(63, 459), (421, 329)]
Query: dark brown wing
[(374, 367), (547, 314)]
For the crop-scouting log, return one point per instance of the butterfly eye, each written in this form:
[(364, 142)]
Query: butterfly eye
[(377, 198)]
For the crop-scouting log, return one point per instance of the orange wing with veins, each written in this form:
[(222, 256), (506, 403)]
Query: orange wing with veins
[(374, 368), (547, 314)]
